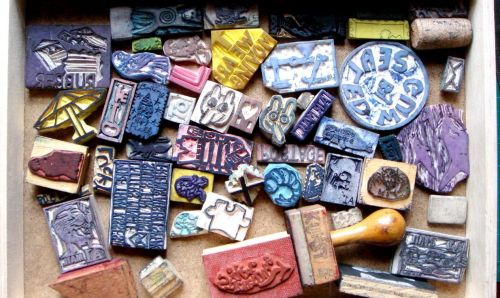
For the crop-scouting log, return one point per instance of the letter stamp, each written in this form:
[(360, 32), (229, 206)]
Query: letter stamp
[(289, 153), (103, 169)]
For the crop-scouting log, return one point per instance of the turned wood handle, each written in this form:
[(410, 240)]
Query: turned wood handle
[(384, 227)]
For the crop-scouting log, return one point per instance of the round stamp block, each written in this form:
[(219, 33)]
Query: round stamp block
[(384, 85)]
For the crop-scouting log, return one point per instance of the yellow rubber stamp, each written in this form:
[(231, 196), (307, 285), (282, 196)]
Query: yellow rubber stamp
[(238, 53), (378, 29)]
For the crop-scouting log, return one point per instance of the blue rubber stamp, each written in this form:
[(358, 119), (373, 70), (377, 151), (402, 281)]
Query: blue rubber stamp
[(313, 183), (142, 66), (184, 225), (192, 187), (345, 137), (342, 179), (312, 115), (157, 150), (76, 233), (389, 146), (384, 85), (282, 184), (139, 204), (277, 118), (147, 110), (297, 66)]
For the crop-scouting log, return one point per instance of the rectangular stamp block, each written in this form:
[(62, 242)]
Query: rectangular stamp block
[(109, 279), (304, 65), (116, 110), (57, 165), (179, 108), (247, 114), (313, 183), (76, 233), (190, 186), (231, 15), (288, 24), (342, 179), (189, 79), (209, 151), (348, 138), (312, 115), (159, 278), (447, 210), (387, 184), (155, 150), (453, 75), (431, 255), (289, 153), (225, 217), (103, 169), (378, 29), (140, 204), (67, 56), (266, 268)]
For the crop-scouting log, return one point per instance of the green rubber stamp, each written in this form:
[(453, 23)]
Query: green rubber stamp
[(147, 44)]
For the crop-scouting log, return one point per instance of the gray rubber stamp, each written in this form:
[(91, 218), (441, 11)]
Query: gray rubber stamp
[(453, 75), (447, 210), (277, 118), (342, 179), (347, 218), (231, 15), (179, 108), (313, 183)]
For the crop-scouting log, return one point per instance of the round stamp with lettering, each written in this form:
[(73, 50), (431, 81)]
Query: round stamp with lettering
[(384, 85)]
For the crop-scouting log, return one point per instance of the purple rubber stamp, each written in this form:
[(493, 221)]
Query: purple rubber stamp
[(312, 115), (192, 187), (67, 57), (142, 66), (437, 142)]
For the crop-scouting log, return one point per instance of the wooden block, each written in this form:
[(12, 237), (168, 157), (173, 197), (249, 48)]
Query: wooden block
[(57, 165), (440, 33), (116, 110), (283, 184), (179, 108), (140, 204), (367, 282), (247, 114), (216, 106), (321, 253), (190, 186), (159, 149), (184, 225), (238, 53), (222, 216), (387, 184), (277, 118), (313, 183), (113, 279), (76, 233), (289, 153), (103, 169), (378, 29), (147, 45), (189, 79), (231, 15), (188, 48), (265, 267), (245, 183), (430, 255), (447, 210), (347, 218), (342, 179), (159, 278), (453, 75)]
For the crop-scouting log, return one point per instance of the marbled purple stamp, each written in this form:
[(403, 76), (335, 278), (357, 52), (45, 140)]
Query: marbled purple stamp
[(67, 57), (437, 142), (312, 115), (192, 187)]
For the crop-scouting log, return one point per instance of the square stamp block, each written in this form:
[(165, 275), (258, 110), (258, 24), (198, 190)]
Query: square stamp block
[(57, 165), (447, 210), (179, 108), (247, 114), (387, 184), (342, 179), (159, 278), (190, 186), (453, 75)]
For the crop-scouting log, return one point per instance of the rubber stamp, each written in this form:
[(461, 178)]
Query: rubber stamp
[(179, 108), (155, 150), (289, 153), (447, 210), (313, 183), (389, 146), (142, 66), (304, 99), (188, 48), (347, 218), (245, 183), (433, 9), (103, 169), (189, 79), (283, 184), (453, 75), (247, 114), (311, 24), (190, 186), (277, 118), (184, 225), (149, 44), (378, 29), (342, 179), (231, 15), (159, 278)]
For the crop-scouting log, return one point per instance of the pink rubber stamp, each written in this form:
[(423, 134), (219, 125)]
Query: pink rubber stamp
[(189, 79), (210, 151)]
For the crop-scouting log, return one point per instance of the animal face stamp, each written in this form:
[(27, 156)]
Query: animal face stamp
[(76, 234), (67, 57), (438, 143), (290, 153), (160, 278), (57, 165), (313, 183), (283, 185), (231, 15), (238, 53), (347, 138), (222, 216), (453, 75), (384, 85), (189, 48), (247, 114), (179, 108), (157, 150), (342, 179), (140, 204), (210, 151), (389, 146), (189, 79), (312, 115), (116, 111), (277, 118), (103, 169), (184, 225), (142, 66), (216, 106), (190, 186), (387, 184), (300, 66)]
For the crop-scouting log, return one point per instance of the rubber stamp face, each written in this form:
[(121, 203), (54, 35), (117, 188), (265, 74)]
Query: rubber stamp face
[(389, 183), (191, 187), (283, 184), (277, 118), (58, 165), (142, 66), (191, 48), (342, 179)]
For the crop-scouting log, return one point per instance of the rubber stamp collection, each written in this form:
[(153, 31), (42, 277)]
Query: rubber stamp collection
[(191, 146)]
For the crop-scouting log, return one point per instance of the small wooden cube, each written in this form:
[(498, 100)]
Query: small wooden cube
[(159, 278), (387, 184), (447, 210), (190, 186), (57, 165), (112, 279)]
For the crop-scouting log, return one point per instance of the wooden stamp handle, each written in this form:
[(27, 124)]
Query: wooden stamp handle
[(384, 227)]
